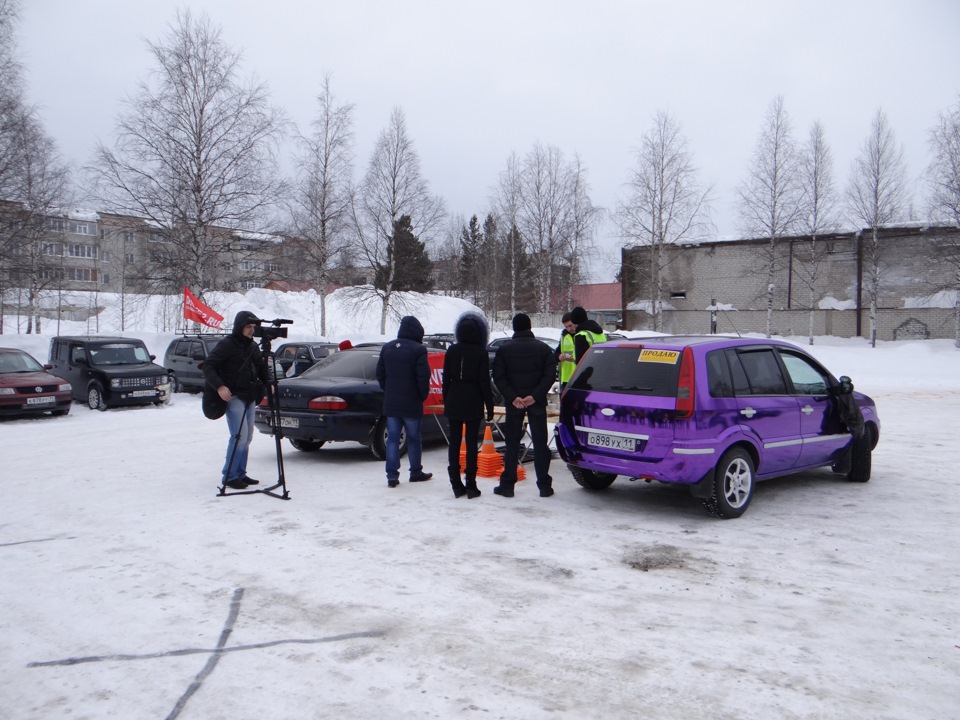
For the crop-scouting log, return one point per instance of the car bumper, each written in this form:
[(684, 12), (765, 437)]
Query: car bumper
[(681, 462), (13, 405), (328, 427)]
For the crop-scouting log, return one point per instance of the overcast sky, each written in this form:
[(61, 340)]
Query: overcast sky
[(479, 80)]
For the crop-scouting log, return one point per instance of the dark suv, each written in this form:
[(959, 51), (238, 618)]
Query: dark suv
[(712, 413), (109, 371), (184, 360)]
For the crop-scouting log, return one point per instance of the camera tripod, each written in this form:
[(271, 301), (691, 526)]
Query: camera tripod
[(273, 403)]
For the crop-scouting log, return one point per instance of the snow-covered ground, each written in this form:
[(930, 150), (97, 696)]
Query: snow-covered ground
[(130, 589)]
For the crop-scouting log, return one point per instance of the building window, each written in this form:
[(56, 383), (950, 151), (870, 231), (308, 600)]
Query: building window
[(681, 295), (81, 274), (105, 279), (273, 267), (81, 228), (251, 284), (51, 273), (55, 224), (158, 237), (82, 251), (50, 249), (249, 265), (128, 237), (128, 259)]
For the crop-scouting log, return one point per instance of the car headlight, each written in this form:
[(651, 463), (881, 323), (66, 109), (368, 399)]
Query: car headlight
[(115, 383), (7, 391), (66, 387), (164, 379)]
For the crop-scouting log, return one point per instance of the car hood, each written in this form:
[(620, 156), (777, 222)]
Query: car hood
[(130, 370), (29, 378)]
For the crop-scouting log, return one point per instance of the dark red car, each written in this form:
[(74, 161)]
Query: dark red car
[(26, 388)]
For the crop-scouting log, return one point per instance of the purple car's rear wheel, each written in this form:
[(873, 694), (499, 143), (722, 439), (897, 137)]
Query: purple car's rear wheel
[(732, 485)]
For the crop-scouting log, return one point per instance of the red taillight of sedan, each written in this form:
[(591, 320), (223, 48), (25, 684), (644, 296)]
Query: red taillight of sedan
[(327, 402)]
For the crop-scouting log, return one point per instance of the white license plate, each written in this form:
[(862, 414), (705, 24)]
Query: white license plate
[(143, 393), (41, 400), (289, 422), (612, 442)]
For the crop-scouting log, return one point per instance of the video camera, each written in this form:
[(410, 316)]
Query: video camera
[(271, 329)]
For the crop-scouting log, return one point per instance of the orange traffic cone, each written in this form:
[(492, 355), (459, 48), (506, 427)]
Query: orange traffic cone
[(463, 449), (489, 461)]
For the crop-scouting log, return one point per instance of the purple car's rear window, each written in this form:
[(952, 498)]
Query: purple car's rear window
[(620, 370)]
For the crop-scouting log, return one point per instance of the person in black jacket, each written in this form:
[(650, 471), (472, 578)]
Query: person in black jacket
[(588, 332), (524, 370), (404, 375), (466, 392), (237, 370)]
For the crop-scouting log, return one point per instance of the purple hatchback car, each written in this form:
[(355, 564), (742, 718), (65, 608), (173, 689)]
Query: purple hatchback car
[(712, 412)]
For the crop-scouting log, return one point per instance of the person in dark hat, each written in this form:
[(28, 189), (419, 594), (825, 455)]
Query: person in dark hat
[(238, 371), (404, 374), (524, 370), (587, 333)]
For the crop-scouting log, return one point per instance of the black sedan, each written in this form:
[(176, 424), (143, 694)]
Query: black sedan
[(340, 400)]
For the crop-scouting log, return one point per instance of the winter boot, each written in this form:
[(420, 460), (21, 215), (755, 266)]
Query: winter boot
[(455, 482), (472, 490), (505, 488), (546, 487)]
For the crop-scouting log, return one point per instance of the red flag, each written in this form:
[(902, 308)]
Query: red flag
[(195, 310)]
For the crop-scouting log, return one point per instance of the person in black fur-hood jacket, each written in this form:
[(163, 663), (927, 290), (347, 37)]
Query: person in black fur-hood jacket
[(238, 372), (404, 374), (466, 392)]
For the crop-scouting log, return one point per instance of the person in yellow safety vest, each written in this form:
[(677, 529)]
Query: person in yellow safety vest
[(588, 332), (565, 352)]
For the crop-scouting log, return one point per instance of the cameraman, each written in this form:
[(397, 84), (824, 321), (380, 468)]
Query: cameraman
[(239, 373)]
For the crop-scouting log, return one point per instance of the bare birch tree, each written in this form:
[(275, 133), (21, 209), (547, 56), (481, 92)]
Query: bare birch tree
[(506, 201), (769, 200), (877, 196), (393, 186), (544, 220), (41, 188), (323, 190), (584, 217), (195, 153), (819, 214), (665, 203), (943, 176)]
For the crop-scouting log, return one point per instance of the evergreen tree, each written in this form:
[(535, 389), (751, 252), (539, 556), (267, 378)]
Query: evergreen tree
[(412, 267), (471, 256)]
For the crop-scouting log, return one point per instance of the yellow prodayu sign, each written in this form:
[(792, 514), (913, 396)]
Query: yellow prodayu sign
[(661, 356)]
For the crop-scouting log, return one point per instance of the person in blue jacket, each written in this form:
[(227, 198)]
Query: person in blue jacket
[(404, 375)]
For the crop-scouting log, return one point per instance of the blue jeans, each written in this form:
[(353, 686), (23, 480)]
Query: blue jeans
[(240, 416), (414, 446)]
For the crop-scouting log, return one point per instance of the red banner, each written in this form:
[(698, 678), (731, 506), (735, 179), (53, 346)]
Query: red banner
[(195, 310)]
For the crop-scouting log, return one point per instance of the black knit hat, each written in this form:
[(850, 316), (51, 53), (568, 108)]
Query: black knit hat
[(521, 321), (578, 315)]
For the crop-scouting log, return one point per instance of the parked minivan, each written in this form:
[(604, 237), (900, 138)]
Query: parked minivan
[(184, 360), (109, 371), (713, 413)]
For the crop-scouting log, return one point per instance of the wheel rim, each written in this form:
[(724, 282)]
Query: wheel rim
[(737, 483), (93, 398)]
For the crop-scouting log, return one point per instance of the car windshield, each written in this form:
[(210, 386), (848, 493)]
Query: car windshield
[(354, 364), (627, 370), (18, 363), (118, 354)]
